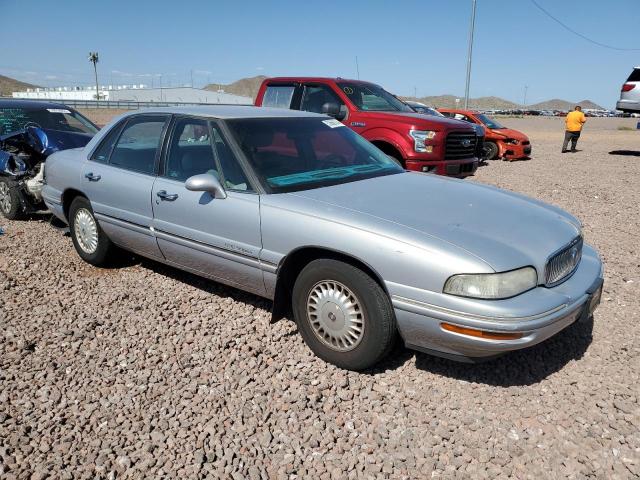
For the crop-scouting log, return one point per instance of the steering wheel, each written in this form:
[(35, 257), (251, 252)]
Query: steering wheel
[(333, 160)]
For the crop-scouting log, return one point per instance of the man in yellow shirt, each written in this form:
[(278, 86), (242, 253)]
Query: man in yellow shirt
[(574, 122)]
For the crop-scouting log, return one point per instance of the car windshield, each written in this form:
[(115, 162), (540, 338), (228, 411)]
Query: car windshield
[(370, 97), (425, 110), (489, 122), (293, 154), (61, 119)]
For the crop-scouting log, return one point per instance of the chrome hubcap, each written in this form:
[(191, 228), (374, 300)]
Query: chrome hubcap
[(335, 315), (5, 197), (86, 230)]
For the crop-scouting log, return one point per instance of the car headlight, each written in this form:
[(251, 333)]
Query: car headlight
[(492, 285), (419, 137), (512, 141)]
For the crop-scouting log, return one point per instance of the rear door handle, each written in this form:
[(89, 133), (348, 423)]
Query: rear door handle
[(167, 196), (91, 177)]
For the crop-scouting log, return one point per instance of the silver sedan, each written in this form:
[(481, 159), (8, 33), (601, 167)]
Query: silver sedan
[(297, 208)]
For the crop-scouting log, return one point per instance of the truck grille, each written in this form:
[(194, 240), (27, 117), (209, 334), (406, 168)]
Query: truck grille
[(460, 145), (562, 264)]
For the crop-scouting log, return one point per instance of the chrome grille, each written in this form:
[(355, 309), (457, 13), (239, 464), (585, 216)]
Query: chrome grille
[(460, 145), (563, 263)]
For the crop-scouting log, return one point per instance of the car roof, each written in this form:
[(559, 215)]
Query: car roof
[(30, 104), (314, 79), (460, 110), (227, 111)]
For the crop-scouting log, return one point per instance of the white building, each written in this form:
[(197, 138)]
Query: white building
[(135, 93)]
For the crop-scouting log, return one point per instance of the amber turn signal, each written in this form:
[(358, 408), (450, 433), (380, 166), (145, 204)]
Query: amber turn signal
[(472, 332)]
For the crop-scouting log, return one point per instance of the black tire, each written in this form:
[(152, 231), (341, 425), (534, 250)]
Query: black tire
[(376, 312), (102, 255), (490, 150), (397, 159), (10, 201)]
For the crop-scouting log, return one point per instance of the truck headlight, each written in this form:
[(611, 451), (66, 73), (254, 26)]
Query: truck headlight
[(419, 137), (492, 286)]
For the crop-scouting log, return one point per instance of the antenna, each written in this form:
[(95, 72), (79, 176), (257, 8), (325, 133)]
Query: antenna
[(357, 68)]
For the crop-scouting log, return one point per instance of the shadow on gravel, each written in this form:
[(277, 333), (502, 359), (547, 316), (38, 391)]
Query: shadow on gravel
[(523, 367), (204, 284), (627, 153)]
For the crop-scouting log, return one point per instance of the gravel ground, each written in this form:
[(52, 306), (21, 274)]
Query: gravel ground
[(145, 371)]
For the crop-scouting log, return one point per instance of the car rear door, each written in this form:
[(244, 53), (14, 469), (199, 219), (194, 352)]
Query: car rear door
[(218, 238), (118, 178)]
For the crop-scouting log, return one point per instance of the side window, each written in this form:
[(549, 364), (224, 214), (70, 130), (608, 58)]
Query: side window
[(278, 96), (234, 177), (315, 96), (448, 114), (190, 152), (138, 144), (102, 153)]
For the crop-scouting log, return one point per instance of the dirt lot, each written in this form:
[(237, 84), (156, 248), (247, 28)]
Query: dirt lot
[(144, 371)]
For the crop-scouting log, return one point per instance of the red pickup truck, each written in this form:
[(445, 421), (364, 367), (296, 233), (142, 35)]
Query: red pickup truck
[(421, 143)]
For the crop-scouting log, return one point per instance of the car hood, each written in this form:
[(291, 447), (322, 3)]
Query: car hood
[(418, 119), (510, 133), (504, 229)]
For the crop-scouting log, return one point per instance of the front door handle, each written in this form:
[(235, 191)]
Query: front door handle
[(91, 177), (167, 196)]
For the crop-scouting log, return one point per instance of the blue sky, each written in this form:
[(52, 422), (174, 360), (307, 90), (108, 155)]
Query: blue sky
[(402, 45)]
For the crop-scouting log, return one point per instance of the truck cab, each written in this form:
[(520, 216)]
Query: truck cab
[(421, 143)]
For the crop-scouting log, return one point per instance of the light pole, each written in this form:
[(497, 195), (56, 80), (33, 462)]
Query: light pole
[(524, 100), (469, 53), (93, 58)]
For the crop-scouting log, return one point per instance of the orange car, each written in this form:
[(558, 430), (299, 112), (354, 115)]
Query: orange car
[(499, 142)]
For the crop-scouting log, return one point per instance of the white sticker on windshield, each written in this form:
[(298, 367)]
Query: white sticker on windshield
[(333, 123), (58, 110)]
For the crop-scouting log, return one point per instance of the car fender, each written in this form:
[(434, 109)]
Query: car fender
[(379, 134)]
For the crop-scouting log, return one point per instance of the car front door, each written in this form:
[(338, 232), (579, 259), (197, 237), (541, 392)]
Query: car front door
[(216, 237), (118, 178)]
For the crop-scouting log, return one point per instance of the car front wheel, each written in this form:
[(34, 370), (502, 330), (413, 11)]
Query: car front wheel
[(91, 243), (10, 204), (490, 150), (343, 314)]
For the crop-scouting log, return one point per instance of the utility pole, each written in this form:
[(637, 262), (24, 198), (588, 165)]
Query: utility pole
[(357, 68), (469, 53), (415, 93), (191, 78), (524, 100), (93, 58)]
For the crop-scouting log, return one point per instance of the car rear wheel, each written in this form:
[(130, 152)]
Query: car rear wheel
[(91, 243), (490, 150), (343, 315), (10, 204)]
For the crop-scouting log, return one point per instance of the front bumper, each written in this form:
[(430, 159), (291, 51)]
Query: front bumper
[(513, 152), (451, 168), (536, 315)]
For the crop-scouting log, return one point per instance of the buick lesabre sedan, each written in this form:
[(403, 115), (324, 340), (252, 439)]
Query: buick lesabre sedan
[(297, 208)]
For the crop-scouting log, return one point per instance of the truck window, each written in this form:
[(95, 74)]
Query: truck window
[(635, 76), (278, 96), (315, 96)]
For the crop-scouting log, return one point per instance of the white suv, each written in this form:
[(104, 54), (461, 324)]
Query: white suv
[(630, 93)]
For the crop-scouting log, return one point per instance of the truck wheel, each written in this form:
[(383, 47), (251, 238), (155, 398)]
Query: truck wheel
[(10, 204), (91, 243), (343, 315), (490, 150)]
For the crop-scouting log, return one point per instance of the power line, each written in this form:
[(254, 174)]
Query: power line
[(567, 27)]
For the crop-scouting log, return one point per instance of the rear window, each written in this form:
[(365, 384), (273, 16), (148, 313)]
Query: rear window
[(278, 96), (635, 76)]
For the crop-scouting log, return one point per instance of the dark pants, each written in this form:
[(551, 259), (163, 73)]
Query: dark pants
[(573, 136)]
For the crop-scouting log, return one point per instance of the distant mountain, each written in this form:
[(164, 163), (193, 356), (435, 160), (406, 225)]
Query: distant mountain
[(247, 87), (9, 85), (482, 103), (558, 104)]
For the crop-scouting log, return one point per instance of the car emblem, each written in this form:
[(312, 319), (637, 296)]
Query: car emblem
[(466, 142)]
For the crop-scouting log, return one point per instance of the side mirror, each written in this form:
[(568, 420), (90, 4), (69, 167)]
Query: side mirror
[(205, 182), (333, 110)]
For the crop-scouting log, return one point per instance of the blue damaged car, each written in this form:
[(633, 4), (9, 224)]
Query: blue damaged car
[(30, 131)]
